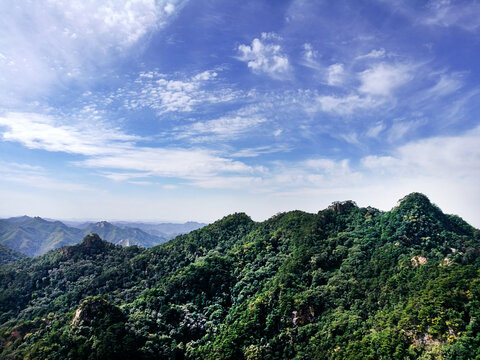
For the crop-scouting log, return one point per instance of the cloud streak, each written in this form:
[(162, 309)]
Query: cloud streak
[(112, 149)]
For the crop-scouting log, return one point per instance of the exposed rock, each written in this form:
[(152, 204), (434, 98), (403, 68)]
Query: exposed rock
[(446, 262), (303, 316), (418, 260), (342, 207)]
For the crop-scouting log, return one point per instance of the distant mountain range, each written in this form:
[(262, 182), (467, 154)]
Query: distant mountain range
[(34, 236)]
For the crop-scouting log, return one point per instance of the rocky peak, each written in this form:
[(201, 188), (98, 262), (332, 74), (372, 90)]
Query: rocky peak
[(93, 241), (341, 207)]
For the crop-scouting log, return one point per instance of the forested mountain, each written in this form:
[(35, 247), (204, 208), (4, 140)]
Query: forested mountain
[(36, 236), (8, 255), (345, 283)]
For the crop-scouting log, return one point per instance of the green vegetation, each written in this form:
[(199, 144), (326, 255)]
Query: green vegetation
[(345, 283), (8, 255)]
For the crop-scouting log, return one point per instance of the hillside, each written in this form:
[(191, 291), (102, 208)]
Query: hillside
[(36, 236), (345, 283), (8, 255)]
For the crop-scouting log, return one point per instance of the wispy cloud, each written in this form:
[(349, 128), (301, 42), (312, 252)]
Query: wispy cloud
[(447, 84), (401, 128), (38, 131), (382, 79), (377, 85), (335, 74), (375, 130), (36, 177), (47, 45), (167, 93), (447, 13), (373, 54), (266, 56), (346, 105), (309, 57), (112, 149), (224, 128), (260, 150)]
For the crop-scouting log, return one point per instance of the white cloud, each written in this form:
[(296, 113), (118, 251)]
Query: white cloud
[(260, 150), (446, 168), (377, 85), (173, 163), (346, 105), (123, 176), (317, 173), (112, 149), (224, 128), (38, 131), (447, 13), (374, 54), (447, 84), (265, 56), (382, 79), (49, 44), (401, 128), (351, 138), (443, 156), (309, 53), (335, 74), (167, 94), (375, 130)]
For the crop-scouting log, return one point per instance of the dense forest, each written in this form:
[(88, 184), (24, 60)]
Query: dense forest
[(345, 283)]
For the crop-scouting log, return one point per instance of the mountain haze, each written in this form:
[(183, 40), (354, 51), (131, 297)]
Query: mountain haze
[(36, 236), (124, 236), (344, 283)]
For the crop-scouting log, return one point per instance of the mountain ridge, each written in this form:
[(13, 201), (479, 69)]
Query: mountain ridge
[(35, 236), (346, 282)]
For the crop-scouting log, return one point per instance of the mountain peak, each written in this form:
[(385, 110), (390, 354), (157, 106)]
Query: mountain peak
[(417, 202), (341, 207), (103, 224), (415, 198), (93, 241)]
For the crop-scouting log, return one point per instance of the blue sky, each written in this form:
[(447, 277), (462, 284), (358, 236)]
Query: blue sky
[(190, 110)]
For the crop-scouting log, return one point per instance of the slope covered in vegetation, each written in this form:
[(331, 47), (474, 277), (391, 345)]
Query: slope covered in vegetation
[(8, 255), (345, 283)]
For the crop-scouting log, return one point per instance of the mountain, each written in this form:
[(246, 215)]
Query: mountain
[(125, 236), (36, 236), (344, 283), (165, 230)]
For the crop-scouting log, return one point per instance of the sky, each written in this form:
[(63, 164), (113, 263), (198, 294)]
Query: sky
[(191, 110)]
